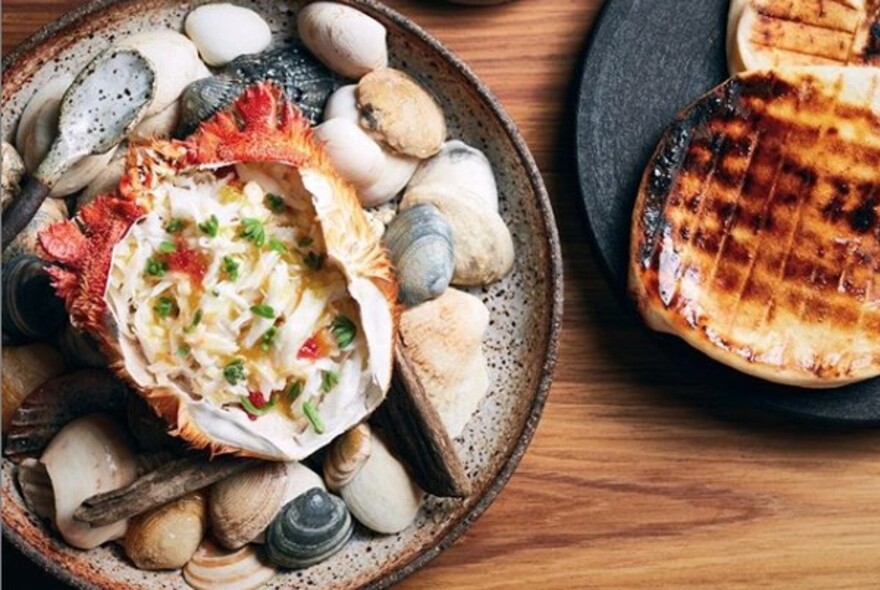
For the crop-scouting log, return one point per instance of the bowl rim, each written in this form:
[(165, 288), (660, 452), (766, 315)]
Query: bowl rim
[(554, 300)]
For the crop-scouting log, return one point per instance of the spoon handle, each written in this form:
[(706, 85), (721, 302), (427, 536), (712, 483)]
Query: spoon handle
[(22, 210)]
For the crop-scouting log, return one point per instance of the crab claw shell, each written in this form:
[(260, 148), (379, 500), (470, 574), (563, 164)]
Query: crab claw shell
[(36, 488), (346, 40), (213, 568), (24, 369), (168, 536), (87, 457), (31, 311), (244, 504), (11, 170), (458, 169)]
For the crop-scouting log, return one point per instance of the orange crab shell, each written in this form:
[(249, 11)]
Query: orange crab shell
[(260, 127)]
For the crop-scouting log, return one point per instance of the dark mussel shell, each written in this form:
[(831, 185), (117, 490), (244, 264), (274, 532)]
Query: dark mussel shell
[(31, 310), (304, 80)]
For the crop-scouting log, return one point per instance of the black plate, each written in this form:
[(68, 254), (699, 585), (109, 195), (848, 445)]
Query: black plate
[(645, 62)]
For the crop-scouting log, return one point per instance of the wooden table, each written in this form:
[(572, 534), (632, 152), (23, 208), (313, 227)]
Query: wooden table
[(628, 483)]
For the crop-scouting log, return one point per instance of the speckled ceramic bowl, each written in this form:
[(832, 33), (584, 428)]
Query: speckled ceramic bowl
[(525, 307)]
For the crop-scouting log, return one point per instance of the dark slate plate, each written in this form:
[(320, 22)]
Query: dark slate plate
[(645, 62)]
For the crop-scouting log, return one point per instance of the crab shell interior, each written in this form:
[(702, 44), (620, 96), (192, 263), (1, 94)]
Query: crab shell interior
[(268, 141)]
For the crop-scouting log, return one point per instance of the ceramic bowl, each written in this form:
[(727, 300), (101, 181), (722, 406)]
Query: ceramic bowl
[(525, 307)]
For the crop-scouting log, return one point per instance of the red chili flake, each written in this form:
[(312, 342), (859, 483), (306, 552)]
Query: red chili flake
[(188, 260), (257, 398), (309, 350)]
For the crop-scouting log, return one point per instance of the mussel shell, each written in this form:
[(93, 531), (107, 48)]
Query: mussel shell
[(308, 530), (420, 242), (305, 80), (31, 310)]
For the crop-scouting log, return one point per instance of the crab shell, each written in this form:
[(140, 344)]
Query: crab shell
[(261, 127)]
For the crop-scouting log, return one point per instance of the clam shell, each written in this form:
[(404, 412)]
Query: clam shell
[(347, 455), (458, 169), (300, 479), (356, 157), (213, 568), (243, 505), (381, 495), (11, 170), (87, 457), (346, 40), (105, 182), (36, 488), (443, 339), (481, 241), (420, 242), (342, 104), (80, 350), (224, 31), (168, 536), (300, 76), (26, 132), (31, 311), (24, 369), (51, 211), (395, 175), (308, 530), (398, 111)]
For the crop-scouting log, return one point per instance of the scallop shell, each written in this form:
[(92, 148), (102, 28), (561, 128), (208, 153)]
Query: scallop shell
[(80, 350), (356, 157), (87, 457), (347, 40), (347, 455), (213, 568), (420, 242), (11, 170), (300, 76), (168, 536), (443, 339), (24, 369), (31, 311), (381, 495), (243, 505), (308, 530), (51, 211), (398, 111), (36, 488), (458, 169), (481, 241)]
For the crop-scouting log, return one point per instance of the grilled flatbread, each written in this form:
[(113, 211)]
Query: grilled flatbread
[(765, 34), (755, 234)]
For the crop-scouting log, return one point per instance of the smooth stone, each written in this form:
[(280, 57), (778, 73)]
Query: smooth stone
[(348, 41), (222, 32)]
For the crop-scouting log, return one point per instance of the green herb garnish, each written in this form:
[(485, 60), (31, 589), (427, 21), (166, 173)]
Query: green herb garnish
[(343, 330), (265, 311), (275, 203), (183, 350), (314, 260), (295, 390), (234, 371), (277, 245), (164, 307), (211, 227), (155, 267), (230, 268), (312, 414), (197, 319), (253, 410), (175, 225), (329, 380), (268, 339), (167, 247), (252, 229)]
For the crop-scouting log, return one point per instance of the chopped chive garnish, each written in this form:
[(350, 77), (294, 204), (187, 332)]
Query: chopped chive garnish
[(314, 260), (183, 350), (155, 267), (167, 247), (268, 339), (252, 229), (295, 390), (312, 414), (197, 319), (234, 371), (230, 268), (253, 410), (265, 311), (329, 380), (343, 330), (175, 225), (277, 245), (305, 242), (275, 203), (211, 227), (164, 307)]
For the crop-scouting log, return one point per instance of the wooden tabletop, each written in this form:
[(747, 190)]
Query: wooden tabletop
[(629, 483)]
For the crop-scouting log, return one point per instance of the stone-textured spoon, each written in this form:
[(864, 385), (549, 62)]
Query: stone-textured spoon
[(101, 106)]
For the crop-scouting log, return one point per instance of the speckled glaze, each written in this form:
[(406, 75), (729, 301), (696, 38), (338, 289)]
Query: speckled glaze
[(525, 307)]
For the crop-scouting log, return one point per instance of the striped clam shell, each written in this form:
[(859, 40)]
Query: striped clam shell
[(214, 568)]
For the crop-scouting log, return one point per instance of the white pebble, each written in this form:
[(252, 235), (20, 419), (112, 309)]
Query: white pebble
[(356, 157), (342, 104), (348, 41), (223, 32)]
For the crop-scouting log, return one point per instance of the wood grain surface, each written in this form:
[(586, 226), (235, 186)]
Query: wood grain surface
[(630, 482)]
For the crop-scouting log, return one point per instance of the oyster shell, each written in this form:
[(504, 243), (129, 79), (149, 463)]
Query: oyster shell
[(243, 505), (457, 170), (36, 488), (12, 169), (213, 568), (88, 456), (31, 310), (168, 536), (24, 369), (308, 530), (398, 111), (420, 243), (347, 40)]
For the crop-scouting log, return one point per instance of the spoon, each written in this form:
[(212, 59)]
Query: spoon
[(101, 106)]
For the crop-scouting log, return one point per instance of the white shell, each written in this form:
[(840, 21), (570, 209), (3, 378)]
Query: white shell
[(458, 169), (342, 104), (243, 505), (444, 339), (11, 169), (53, 90), (224, 31), (36, 488), (159, 125), (356, 157), (213, 568), (88, 456), (175, 60), (105, 182), (168, 536), (395, 175), (382, 497), (300, 479), (348, 41)]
